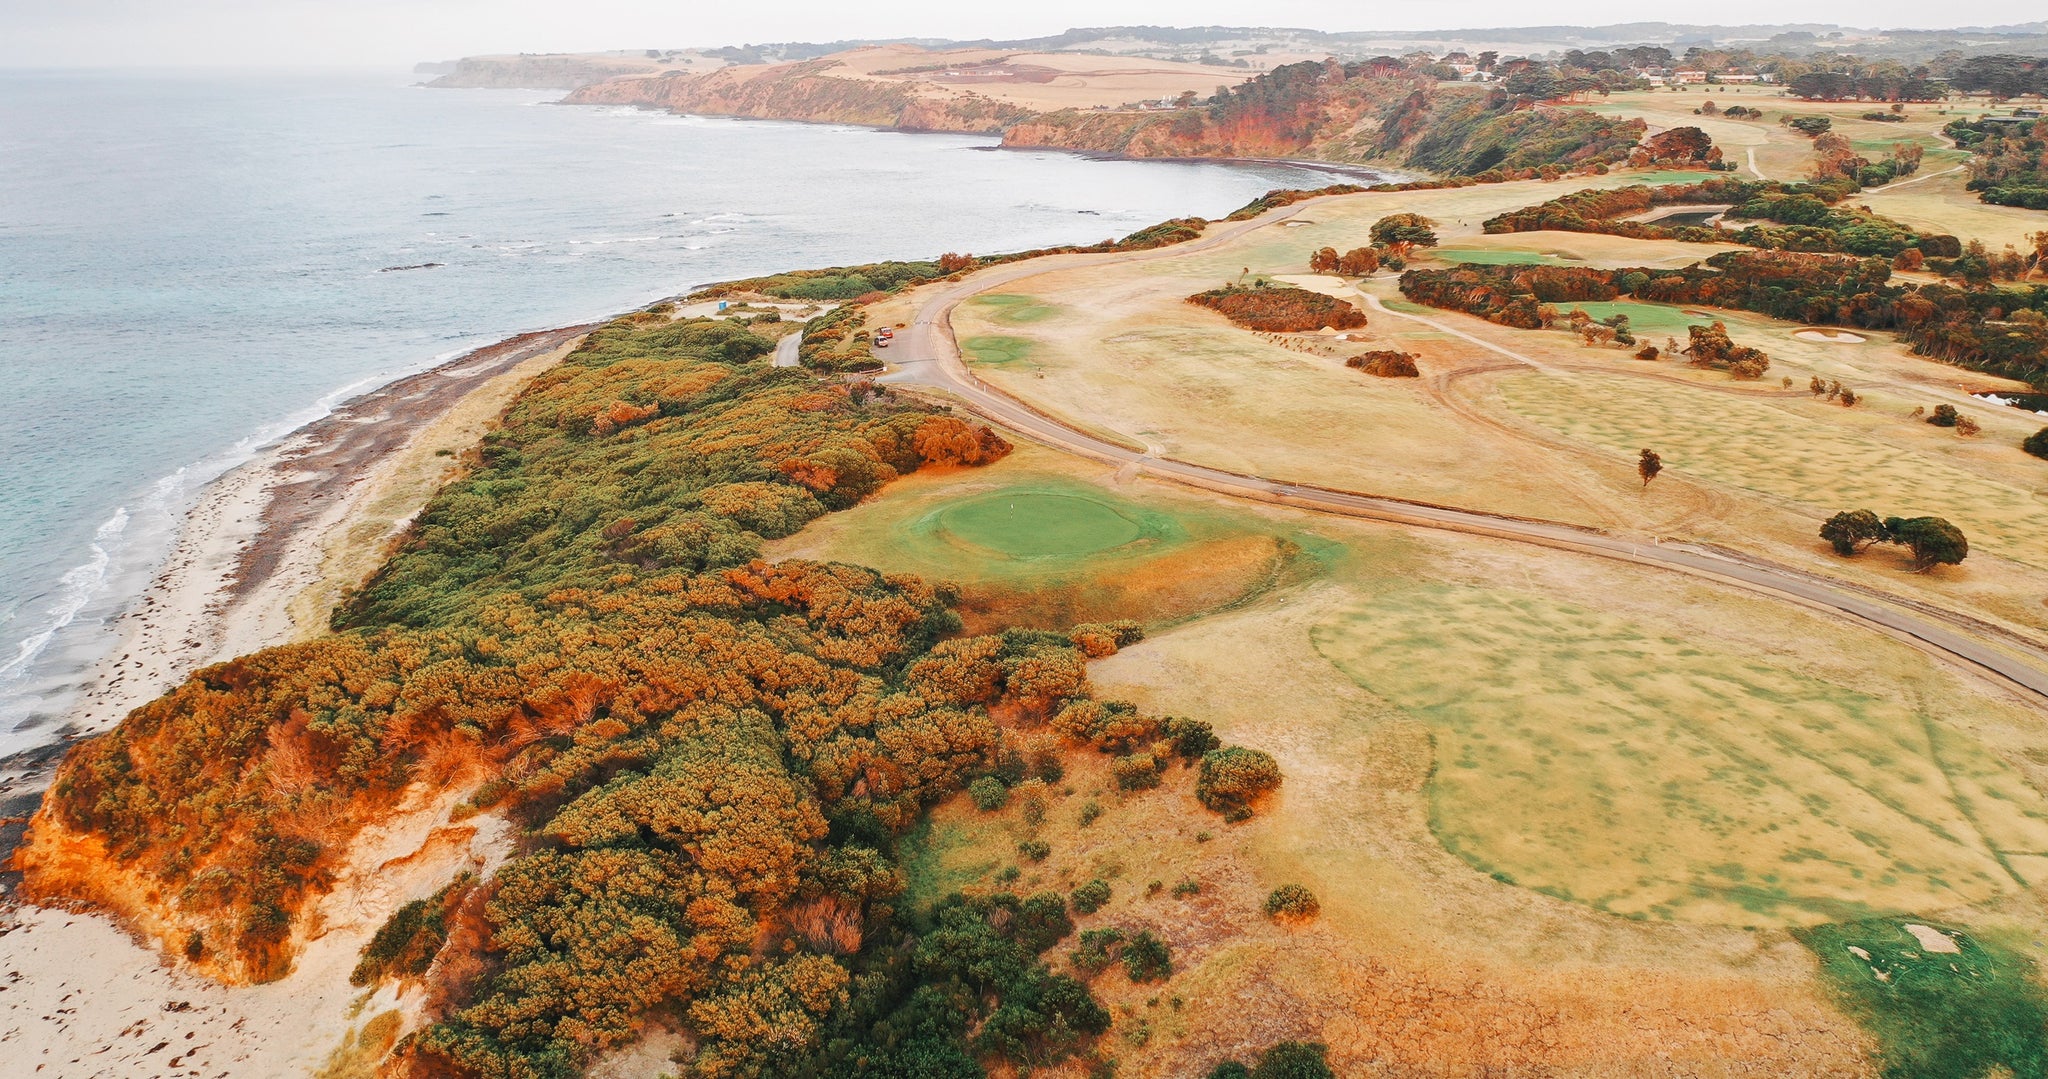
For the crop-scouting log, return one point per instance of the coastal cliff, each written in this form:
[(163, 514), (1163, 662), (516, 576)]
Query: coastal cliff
[(804, 92), (1373, 113)]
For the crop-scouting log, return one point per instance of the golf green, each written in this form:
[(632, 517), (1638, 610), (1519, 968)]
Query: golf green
[(1026, 524)]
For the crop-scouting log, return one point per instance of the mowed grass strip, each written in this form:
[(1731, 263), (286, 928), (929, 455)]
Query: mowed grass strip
[(1595, 760), (1013, 308)]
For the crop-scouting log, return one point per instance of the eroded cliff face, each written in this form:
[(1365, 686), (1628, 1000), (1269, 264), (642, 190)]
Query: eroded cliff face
[(804, 92)]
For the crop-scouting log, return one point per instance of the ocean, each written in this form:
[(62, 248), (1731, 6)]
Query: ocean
[(192, 265)]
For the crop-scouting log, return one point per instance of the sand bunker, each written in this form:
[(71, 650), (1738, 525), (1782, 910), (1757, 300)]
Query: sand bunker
[(1829, 337), (1933, 940)]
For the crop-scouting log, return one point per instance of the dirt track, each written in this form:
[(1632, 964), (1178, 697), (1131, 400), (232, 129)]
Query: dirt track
[(930, 357)]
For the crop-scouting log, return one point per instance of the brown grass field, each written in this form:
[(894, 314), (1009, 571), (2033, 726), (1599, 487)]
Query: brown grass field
[(1561, 814)]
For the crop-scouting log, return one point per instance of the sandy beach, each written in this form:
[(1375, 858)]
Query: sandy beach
[(260, 560)]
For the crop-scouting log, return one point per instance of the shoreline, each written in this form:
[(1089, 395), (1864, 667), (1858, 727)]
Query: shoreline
[(1353, 169), (258, 558)]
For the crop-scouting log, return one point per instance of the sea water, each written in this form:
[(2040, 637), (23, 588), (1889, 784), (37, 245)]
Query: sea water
[(192, 265)]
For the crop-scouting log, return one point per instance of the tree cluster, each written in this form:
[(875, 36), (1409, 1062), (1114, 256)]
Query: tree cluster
[(2001, 331), (1932, 540)]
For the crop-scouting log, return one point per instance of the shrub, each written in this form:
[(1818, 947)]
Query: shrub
[(1147, 958), (1385, 363), (1099, 948), (1292, 902), (989, 793), (1233, 777), (1135, 772), (1186, 887), (1193, 737), (2037, 443), (1090, 897), (1280, 310), (1943, 416), (1230, 1069), (1090, 813), (1035, 850)]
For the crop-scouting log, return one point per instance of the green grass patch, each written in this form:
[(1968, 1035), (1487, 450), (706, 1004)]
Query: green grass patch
[(1039, 524), (1643, 318), (1588, 757), (996, 351), (1974, 1012), (941, 857), (1014, 309)]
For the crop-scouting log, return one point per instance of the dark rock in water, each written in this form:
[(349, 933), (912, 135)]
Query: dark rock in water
[(421, 266)]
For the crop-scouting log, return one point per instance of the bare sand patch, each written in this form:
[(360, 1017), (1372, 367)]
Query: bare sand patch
[(1830, 337)]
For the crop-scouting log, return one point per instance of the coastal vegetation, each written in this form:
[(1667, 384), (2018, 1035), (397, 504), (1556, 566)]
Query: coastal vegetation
[(704, 751)]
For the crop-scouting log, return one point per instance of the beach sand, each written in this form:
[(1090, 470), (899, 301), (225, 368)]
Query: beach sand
[(261, 560)]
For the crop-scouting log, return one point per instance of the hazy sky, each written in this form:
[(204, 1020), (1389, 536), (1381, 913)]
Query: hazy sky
[(39, 33)]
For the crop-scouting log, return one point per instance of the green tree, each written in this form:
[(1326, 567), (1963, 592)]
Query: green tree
[(1852, 530), (1933, 541), (1400, 232)]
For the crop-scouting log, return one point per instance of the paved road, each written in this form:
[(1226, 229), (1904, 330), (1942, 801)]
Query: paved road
[(930, 357)]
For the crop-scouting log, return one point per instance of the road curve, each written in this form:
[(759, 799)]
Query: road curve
[(930, 357)]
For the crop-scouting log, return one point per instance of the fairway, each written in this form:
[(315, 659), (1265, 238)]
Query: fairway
[(1792, 451), (1035, 524), (1013, 308), (1597, 760)]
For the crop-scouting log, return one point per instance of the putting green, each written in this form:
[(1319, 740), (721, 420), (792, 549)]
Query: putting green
[(1599, 761), (1037, 524), (995, 350)]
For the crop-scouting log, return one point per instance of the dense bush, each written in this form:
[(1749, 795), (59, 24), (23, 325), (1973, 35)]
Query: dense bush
[(989, 793), (1292, 901), (2002, 331), (1090, 897), (1385, 363), (1280, 309), (712, 757), (1233, 778)]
